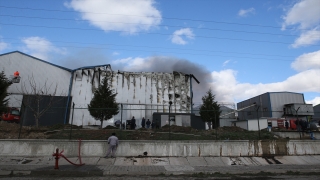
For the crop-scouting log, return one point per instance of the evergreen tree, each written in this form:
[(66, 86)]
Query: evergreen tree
[(103, 104), (4, 84), (210, 110)]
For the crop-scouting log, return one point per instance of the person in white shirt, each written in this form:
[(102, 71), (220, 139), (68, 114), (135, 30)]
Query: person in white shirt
[(113, 144)]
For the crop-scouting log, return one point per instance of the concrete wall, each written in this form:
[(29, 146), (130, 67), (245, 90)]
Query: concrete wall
[(296, 134), (161, 148)]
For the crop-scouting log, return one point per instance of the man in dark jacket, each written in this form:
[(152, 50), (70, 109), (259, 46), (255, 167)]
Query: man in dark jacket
[(133, 123), (143, 122)]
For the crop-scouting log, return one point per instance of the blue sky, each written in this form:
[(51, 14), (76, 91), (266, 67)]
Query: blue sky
[(238, 48)]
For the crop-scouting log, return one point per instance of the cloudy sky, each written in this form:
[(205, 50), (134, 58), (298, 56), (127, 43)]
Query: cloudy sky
[(238, 48)]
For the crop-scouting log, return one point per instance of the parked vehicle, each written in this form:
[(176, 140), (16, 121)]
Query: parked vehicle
[(11, 115)]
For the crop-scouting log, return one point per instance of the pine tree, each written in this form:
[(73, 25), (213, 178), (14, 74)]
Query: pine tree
[(103, 105), (210, 110), (4, 84)]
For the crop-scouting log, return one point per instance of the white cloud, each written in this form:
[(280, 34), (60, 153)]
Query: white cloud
[(225, 63), (246, 12), (132, 64), (304, 13), (307, 61), (314, 101), (40, 47), (178, 34), (114, 15), (228, 89), (3, 46), (115, 53), (307, 38)]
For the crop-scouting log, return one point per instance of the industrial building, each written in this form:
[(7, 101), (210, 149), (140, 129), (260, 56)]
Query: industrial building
[(316, 110), (139, 94), (272, 105), (227, 115)]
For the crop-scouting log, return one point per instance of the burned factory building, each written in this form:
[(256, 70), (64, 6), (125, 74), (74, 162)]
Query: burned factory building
[(139, 94)]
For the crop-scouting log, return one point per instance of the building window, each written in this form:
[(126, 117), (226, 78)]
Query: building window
[(249, 113), (265, 109)]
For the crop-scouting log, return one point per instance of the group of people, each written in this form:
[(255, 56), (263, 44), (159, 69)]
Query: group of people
[(144, 124), (302, 125)]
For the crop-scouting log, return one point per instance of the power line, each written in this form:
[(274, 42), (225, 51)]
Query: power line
[(202, 28), (181, 19), (159, 47), (169, 52), (212, 37)]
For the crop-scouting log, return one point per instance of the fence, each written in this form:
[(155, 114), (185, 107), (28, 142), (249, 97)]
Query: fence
[(159, 115)]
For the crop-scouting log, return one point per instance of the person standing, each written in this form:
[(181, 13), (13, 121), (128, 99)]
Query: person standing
[(113, 145), (143, 122), (286, 123), (133, 123), (148, 124)]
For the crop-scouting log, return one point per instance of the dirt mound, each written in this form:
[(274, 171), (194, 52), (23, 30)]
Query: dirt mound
[(12, 130), (230, 129), (174, 128)]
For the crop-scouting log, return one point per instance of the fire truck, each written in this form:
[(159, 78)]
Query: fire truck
[(11, 115)]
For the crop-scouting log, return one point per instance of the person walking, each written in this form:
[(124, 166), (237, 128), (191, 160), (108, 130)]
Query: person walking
[(143, 122), (113, 145), (286, 124), (148, 124), (133, 123)]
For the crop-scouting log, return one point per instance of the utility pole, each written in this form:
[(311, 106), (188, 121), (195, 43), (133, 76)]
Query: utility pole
[(258, 107), (170, 103), (298, 124), (215, 123)]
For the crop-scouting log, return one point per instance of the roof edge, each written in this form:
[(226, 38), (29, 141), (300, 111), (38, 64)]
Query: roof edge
[(37, 59)]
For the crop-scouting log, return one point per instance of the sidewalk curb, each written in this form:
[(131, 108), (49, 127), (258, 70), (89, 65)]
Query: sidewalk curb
[(5, 173), (66, 173)]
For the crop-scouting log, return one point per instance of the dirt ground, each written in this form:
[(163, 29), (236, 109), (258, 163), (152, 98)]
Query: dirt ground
[(12, 131)]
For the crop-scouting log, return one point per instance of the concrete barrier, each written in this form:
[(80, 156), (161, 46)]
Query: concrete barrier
[(161, 148), (296, 134)]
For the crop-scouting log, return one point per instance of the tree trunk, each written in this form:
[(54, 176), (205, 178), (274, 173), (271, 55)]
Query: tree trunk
[(101, 123)]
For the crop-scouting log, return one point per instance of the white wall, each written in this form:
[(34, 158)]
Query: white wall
[(242, 124), (140, 93), (253, 124)]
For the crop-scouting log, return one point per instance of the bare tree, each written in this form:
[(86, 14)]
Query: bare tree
[(35, 94)]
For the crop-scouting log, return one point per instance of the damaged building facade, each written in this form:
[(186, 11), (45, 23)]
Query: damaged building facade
[(139, 94)]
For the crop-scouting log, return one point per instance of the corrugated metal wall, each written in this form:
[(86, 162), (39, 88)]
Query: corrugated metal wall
[(279, 99), (271, 104), (29, 67), (140, 93)]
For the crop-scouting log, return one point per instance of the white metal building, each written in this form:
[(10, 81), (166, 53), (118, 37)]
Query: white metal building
[(140, 93)]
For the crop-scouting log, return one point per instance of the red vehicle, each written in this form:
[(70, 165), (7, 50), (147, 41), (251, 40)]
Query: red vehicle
[(11, 115)]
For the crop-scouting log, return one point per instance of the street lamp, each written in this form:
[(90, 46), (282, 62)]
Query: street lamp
[(170, 103)]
